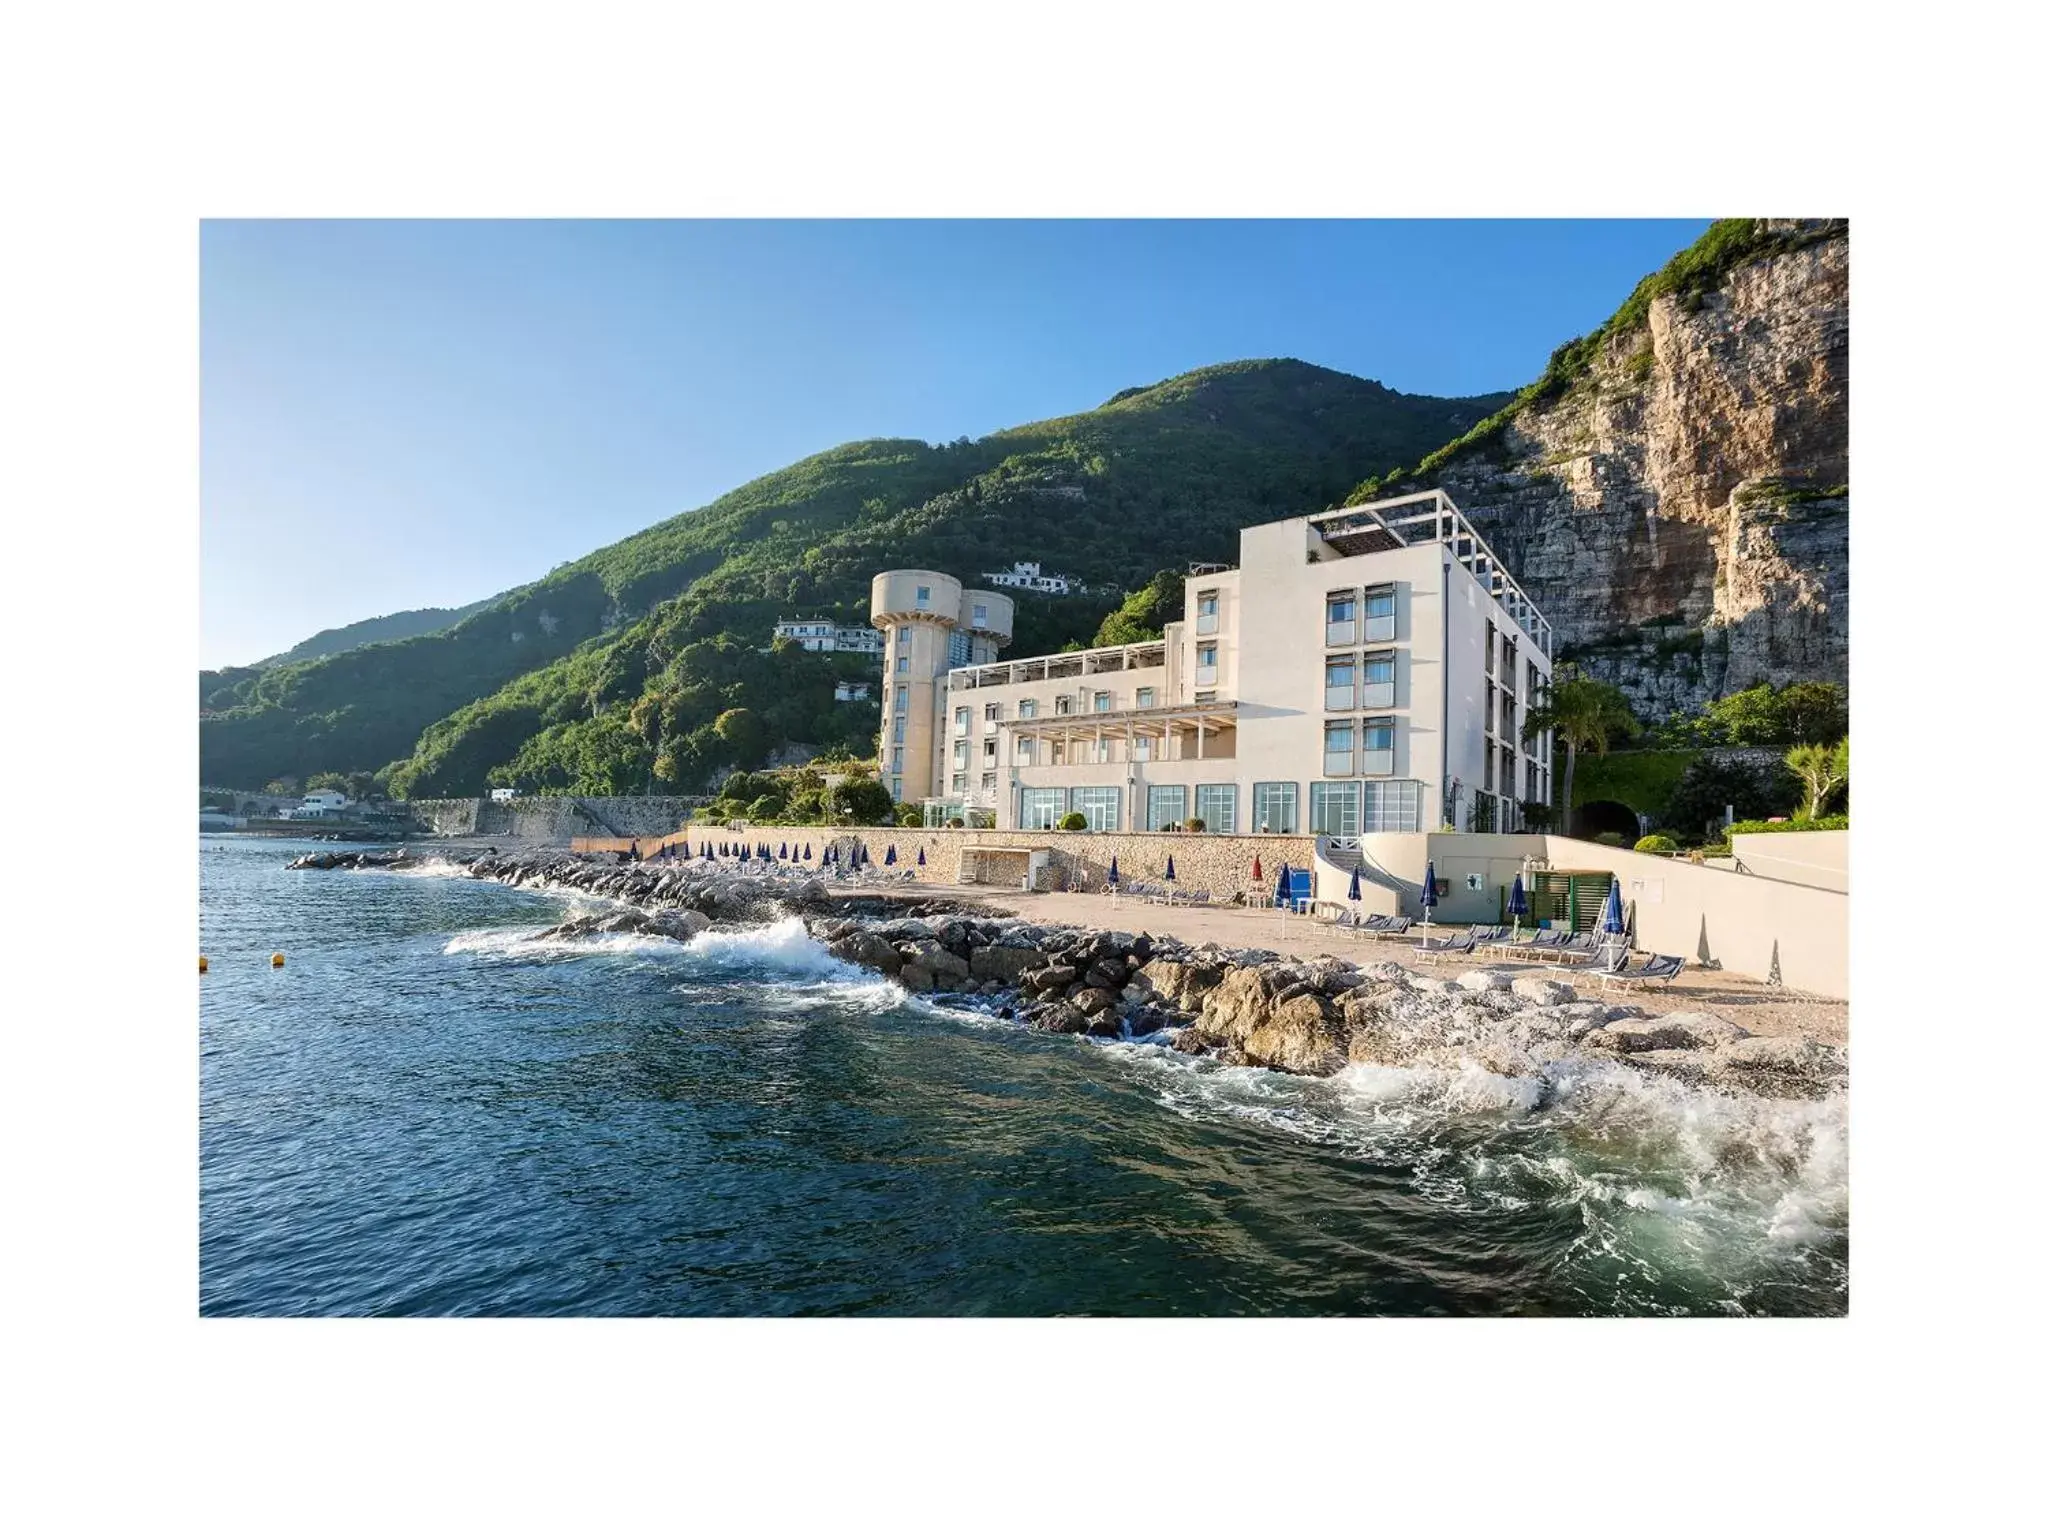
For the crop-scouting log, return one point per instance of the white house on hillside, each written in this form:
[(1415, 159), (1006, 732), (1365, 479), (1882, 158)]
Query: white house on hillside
[(1027, 576)]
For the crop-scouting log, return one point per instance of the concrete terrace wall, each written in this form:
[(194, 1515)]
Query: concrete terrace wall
[(1742, 922), (1806, 858)]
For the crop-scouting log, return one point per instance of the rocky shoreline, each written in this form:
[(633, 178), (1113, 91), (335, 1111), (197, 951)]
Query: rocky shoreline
[(1243, 1007)]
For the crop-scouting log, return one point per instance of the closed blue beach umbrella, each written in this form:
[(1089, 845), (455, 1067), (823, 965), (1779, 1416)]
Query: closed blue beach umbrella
[(1280, 886), (920, 858), (1518, 904), (782, 851), (1428, 888), (890, 856), (1354, 892), (1169, 867), (1114, 877), (1610, 914)]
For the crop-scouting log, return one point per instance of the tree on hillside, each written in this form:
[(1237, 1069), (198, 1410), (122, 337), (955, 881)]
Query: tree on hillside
[(1583, 712), (1146, 612), (743, 735), (1823, 770)]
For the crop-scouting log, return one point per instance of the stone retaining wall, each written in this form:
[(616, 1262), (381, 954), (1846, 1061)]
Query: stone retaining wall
[(1218, 863), (556, 818)]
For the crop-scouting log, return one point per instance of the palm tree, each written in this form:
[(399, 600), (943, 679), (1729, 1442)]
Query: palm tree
[(1583, 712), (1823, 770)]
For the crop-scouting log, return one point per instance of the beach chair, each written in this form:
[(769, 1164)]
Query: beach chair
[(1601, 969), (1389, 928), (1457, 946), (1658, 970)]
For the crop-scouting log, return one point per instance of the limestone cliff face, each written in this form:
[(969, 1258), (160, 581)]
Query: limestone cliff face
[(1681, 511)]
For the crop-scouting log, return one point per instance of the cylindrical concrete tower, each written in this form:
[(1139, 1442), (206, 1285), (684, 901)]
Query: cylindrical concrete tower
[(917, 613)]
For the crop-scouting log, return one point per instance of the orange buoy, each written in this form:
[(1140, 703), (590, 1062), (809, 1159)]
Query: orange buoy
[(202, 965), (277, 962)]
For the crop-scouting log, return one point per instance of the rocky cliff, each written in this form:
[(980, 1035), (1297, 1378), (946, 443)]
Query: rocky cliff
[(1674, 492)]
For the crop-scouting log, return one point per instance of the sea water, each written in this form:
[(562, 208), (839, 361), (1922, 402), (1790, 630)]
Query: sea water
[(430, 1111)]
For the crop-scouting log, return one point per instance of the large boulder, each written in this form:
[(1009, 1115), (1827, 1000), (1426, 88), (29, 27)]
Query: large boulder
[(868, 949), (1180, 984), (1298, 1035), (1705, 1031), (1060, 1019), (1482, 981), (1048, 980), (934, 957), (1004, 962), (1629, 1037), (1236, 1006), (1094, 1000), (1779, 1066), (1687, 1066), (1545, 991), (915, 978)]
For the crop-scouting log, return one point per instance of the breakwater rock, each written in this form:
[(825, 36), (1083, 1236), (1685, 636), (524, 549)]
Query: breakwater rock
[(1243, 1007)]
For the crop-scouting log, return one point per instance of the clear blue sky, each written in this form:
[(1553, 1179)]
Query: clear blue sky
[(403, 415)]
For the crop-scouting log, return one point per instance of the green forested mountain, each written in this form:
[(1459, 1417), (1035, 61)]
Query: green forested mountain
[(390, 626), (642, 666)]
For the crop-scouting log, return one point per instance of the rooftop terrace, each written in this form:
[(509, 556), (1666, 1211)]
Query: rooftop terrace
[(1431, 517)]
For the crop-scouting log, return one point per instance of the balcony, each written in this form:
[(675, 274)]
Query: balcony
[(1376, 762), (1376, 695), (1340, 632), (1339, 698)]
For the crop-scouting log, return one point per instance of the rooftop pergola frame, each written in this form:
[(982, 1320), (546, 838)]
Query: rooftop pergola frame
[(1166, 722), (1373, 527), (1062, 664)]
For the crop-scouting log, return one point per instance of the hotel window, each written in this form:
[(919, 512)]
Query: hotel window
[(1100, 803), (1340, 682), (1376, 746), (1102, 703), (1489, 647), (896, 760), (1039, 809), (1062, 705), (1507, 670), (902, 696), (988, 750), (1529, 783), (1205, 613), (1059, 753), (1379, 613), (980, 615), (895, 789), (1340, 618), (1507, 717), (1147, 697), (1486, 782), (1205, 662), (1337, 749), (1333, 809), (962, 718), (1165, 805), (1216, 804), (1027, 709), (1206, 698), (959, 754), (924, 597), (1141, 749), (959, 783), (1394, 805), (1376, 681), (1276, 807), (903, 634), (1507, 770), (991, 713), (1487, 718), (1027, 751), (899, 727)]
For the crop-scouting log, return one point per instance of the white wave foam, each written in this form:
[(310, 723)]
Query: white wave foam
[(428, 869), (784, 947), (522, 944)]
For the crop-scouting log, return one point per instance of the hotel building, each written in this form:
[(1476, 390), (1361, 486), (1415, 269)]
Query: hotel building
[(829, 635), (1363, 670)]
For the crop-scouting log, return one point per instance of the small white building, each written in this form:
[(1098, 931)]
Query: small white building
[(318, 805), (849, 693), (1027, 576), (830, 635)]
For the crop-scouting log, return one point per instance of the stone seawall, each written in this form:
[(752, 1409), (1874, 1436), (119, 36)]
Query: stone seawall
[(1216, 862), (556, 818)]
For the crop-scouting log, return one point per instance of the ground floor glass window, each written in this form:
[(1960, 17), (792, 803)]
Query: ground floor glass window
[(1333, 809), (1165, 804), (1100, 803), (1039, 809), (1276, 808), (1216, 804)]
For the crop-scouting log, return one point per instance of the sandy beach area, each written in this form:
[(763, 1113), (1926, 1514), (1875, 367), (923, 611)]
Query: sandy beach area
[(1741, 1000)]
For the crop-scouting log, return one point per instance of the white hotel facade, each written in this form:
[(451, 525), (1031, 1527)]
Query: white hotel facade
[(1363, 670)]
